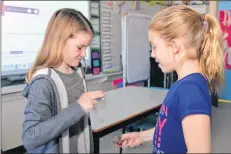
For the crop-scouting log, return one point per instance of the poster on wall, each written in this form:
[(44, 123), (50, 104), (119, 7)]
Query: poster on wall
[(225, 23)]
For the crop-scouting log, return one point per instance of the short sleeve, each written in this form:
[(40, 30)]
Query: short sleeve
[(191, 99)]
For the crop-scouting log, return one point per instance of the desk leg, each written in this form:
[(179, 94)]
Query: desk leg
[(96, 143), (123, 131)]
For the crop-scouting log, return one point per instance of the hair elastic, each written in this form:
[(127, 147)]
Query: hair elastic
[(204, 22)]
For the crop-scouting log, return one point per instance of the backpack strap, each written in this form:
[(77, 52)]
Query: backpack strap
[(64, 104), (63, 100), (44, 71)]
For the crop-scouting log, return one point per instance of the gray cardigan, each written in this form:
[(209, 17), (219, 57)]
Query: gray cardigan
[(44, 121)]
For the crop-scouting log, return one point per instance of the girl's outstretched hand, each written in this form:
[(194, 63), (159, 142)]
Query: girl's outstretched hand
[(131, 140)]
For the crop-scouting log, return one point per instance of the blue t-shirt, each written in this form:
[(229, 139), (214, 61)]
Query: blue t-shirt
[(187, 96)]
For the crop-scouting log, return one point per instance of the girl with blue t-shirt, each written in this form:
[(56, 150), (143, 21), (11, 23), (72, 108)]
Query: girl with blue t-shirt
[(191, 44)]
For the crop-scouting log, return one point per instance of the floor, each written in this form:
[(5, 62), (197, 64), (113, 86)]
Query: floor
[(221, 128), (221, 134)]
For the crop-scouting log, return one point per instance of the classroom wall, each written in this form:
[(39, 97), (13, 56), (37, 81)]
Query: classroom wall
[(145, 8), (110, 22), (226, 91)]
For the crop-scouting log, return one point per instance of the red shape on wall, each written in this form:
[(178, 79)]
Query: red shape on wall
[(3, 8), (225, 24)]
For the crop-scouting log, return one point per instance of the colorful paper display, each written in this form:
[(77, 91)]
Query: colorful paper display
[(96, 70), (225, 23), (95, 55), (96, 63)]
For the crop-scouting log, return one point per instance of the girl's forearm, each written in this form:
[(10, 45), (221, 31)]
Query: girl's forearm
[(147, 135)]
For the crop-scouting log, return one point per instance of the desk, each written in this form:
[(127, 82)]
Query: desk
[(122, 107)]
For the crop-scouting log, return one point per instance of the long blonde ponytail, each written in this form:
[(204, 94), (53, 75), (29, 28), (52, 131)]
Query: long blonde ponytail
[(212, 57)]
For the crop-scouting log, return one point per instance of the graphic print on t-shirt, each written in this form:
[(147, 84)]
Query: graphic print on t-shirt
[(161, 121)]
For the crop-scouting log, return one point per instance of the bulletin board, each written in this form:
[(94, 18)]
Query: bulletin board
[(225, 23), (224, 13)]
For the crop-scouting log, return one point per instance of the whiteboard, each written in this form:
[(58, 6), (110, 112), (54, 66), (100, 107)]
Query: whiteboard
[(135, 47), (23, 27)]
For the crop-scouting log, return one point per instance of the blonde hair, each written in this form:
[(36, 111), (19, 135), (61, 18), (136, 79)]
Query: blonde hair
[(200, 31), (63, 24)]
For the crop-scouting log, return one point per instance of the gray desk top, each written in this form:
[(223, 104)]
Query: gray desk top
[(124, 103)]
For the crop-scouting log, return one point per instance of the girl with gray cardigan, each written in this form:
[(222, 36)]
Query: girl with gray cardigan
[(50, 126)]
